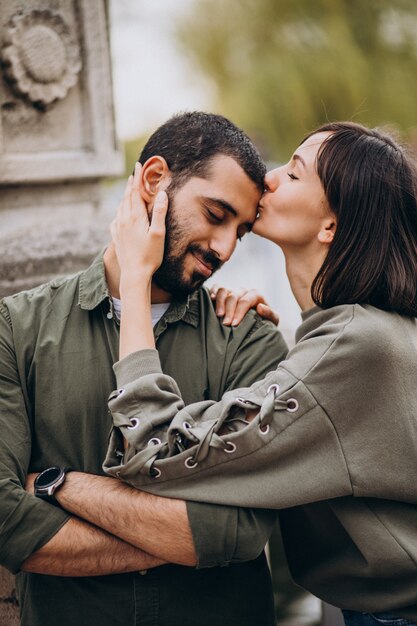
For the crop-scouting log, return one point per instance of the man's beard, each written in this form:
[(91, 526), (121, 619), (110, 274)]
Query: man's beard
[(170, 275)]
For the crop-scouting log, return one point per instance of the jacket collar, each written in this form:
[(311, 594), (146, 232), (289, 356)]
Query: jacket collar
[(93, 287), (93, 290)]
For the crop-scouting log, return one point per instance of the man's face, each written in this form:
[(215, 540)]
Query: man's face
[(206, 217)]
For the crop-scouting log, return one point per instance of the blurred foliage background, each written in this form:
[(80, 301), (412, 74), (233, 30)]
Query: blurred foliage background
[(281, 67)]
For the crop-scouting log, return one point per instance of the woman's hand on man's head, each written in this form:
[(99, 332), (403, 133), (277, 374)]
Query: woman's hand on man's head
[(138, 237)]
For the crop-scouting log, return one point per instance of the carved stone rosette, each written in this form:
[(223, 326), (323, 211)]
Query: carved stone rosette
[(40, 57)]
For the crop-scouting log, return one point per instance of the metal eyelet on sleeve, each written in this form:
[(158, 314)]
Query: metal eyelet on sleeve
[(243, 400), (134, 423), (186, 425), (231, 447), (292, 405), (155, 441), (120, 391), (274, 387), (155, 472), (264, 430), (190, 463)]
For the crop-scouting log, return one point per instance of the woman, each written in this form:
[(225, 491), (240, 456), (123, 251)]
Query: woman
[(330, 437)]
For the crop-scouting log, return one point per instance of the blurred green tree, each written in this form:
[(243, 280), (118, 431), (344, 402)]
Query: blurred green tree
[(282, 68)]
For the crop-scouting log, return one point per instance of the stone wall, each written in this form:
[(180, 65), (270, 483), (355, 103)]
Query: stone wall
[(57, 142)]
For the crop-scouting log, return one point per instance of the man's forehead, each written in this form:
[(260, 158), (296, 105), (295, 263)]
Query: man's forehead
[(226, 185), (225, 174)]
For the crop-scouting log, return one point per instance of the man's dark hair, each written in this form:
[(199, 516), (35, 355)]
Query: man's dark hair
[(189, 142), (370, 182)]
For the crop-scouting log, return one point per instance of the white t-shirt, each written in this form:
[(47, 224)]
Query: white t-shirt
[(157, 310)]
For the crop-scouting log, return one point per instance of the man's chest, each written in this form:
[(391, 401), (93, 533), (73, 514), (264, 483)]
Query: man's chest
[(70, 379), (68, 385), (196, 360)]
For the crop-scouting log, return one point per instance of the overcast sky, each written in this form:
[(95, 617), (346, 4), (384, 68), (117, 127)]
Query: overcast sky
[(152, 78)]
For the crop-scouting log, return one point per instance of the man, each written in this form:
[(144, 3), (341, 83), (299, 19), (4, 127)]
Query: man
[(57, 346)]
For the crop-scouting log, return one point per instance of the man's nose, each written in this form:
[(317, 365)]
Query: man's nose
[(271, 180), (223, 245)]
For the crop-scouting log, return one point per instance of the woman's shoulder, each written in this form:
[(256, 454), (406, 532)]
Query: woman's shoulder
[(334, 338), (354, 319)]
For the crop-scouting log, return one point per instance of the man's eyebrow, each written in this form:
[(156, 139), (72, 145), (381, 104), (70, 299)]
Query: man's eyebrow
[(297, 157), (222, 204)]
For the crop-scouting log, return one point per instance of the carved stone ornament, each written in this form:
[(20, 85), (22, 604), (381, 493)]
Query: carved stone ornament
[(40, 57)]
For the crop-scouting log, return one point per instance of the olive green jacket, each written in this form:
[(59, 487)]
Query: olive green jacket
[(333, 445), (57, 347)]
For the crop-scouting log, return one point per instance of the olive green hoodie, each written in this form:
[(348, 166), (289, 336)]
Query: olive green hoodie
[(333, 445)]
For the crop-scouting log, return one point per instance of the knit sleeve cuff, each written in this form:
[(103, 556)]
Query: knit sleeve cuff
[(135, 365)]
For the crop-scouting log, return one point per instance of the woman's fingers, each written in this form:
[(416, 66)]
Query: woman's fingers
[(265, 311), (234, 305), (125, 207), (248, 299), (138, 206), (252, 299), (220, 295), (159, 213)]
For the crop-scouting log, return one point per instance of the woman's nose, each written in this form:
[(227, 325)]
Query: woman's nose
[(271, 180)]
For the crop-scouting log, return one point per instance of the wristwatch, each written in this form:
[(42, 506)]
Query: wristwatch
[(48, 481)]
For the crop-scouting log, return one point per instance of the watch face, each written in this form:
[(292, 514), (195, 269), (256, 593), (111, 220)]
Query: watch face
[(48, 477)]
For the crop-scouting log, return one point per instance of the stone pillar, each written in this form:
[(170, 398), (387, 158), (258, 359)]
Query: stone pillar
[(57, 141), (57, 136)]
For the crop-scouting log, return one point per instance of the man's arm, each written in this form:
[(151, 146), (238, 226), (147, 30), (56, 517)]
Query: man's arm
[(157, 525), (35, 535), (79, 549), (161, 526)]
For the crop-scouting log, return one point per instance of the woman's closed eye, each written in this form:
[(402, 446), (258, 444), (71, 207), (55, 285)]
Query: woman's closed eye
[(292, 176)]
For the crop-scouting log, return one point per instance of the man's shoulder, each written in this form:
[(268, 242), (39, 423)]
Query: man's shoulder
[(253, 333), (250, 323), (33, 303)]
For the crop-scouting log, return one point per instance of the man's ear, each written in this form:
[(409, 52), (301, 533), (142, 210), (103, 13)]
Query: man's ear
[(156, 177), (326, 234)]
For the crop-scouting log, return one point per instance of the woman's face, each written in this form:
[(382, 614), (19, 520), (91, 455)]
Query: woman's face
[(294, 212)]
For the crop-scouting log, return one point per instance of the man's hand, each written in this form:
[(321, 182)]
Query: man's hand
[(234, 304)]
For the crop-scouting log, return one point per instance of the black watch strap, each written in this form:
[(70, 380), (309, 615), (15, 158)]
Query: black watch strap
[(49, 481)]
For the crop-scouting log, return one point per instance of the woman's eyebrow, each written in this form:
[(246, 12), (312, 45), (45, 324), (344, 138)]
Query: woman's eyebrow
[(297, 157)]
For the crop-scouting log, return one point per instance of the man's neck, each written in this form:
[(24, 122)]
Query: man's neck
[(112, 270)]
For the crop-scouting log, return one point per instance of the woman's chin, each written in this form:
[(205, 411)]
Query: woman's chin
[(265, 230), (260, 228)]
